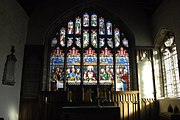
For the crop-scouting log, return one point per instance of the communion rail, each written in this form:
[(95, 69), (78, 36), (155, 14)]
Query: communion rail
[(128, 101), (132, 107)]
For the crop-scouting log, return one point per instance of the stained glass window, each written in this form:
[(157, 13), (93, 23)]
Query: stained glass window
[(78, 41), (85, 20), (70, 27), (109, 28), (117, 37), (62, 36), (106, 67), (73, 75), (122, 70), (85, 38), (90, 67), (101, 26), (94, 20), (57, 68), (89, 50), (94, 38), (78, 26)]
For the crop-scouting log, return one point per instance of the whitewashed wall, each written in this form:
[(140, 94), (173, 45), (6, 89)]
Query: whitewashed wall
[(13, 30)]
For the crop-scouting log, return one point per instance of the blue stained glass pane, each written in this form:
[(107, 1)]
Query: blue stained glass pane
[(73, 57), (122, 61), (57, 57), (110, 60)]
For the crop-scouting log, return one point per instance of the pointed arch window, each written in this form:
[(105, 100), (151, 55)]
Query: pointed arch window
[(168, 83), (89, 50)]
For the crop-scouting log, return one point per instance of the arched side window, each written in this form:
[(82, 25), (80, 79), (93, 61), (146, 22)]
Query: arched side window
[(89, 50), (168, 83)]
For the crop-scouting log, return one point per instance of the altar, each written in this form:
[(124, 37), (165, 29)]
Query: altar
[(91, 113)]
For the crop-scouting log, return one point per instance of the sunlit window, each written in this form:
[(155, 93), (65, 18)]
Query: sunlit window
[(168, 79), (145, 73)]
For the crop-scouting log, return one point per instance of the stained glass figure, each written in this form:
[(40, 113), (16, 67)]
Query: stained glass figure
[(78, 41), (73, 75), (70, 27), (106, 67), (62, 36), (69, 41), (54, 42), (57, 77), (109, 28), (110, 42), (78, 26), (90, 75), (94, 38), (124, 41), (101, 26), (122, 70), (56, 69), (73, 67), (85, 38), (94, 20), (85, 20), (117, 37), (101, 42), (90, 67)]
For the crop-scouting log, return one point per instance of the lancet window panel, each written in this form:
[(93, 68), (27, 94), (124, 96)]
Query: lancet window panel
[(89, 50)]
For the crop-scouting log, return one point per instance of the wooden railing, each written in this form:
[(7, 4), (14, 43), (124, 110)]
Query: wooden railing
[(149, 109), (132, 107), (129, 104)]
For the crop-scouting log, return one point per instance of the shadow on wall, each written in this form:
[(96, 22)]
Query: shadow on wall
[(169, 109)]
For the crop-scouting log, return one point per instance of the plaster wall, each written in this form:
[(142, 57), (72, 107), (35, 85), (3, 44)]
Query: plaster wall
[(13, 30), (167, 16)]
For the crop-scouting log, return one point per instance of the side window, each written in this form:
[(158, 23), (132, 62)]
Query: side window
[(168, 83)]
